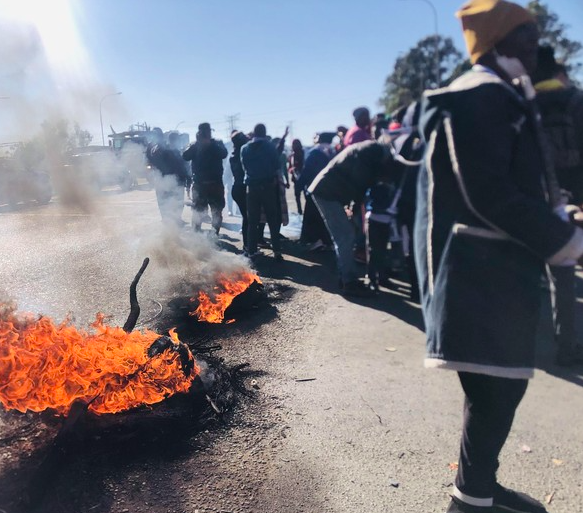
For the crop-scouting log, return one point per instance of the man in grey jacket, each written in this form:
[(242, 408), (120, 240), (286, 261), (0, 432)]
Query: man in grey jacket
[(345, 179)]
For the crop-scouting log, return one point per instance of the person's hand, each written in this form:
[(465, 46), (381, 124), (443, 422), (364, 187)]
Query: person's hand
[(287, 185), (577, 218), (286, 133)]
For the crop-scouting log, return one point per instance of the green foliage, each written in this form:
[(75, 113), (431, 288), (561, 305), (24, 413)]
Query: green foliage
[(458, 71), (416, 71), (58, 135), (29, 154), (553, 32), (48, 148), (81, 138)]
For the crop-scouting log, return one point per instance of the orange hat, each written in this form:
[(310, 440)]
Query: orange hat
[(487, 22)]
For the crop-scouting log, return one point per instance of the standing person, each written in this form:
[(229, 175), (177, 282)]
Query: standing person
[(561, 108), (260, 161), (381, 222), (296, 164), (314, 231), (280, 191), (239, 139), (380, 123), (361, 130), (228, 184), (341, 132), (206, 156), (346, 178), (483, 233), (410, 146), (170, 178), (283, 182)]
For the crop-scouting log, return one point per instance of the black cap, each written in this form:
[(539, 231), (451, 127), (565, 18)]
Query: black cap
[(204, 128), (325, 137)]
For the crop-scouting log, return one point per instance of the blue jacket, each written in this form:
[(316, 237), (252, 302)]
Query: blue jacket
[(260, 161), (483, 227), (316, 160)]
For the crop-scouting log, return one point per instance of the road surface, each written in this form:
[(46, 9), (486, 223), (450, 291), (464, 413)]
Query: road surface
[(345, 418)]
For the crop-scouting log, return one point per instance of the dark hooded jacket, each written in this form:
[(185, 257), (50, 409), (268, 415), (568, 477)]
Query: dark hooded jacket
[(239, 141), (562, 116), (317, 159), (207, 161), (483, 227), (355, 169), (168, 162)]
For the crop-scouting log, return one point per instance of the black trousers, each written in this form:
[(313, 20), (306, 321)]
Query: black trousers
[(377, 241), (298, 195), (204, 195), (239, 193), (489, 410), (313, 226), (258, 196)]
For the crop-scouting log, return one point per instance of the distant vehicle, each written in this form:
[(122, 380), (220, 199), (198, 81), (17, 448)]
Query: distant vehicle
[(99, 167), (20, 185), (125, 145)]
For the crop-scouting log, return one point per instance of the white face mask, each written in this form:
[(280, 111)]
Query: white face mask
[(511, 65), (517, 72)]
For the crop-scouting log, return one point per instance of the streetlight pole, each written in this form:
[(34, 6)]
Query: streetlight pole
[(436, 28), (101, 116)]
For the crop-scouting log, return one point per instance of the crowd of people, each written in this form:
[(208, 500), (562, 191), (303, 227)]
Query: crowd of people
[(478, 189), (346, 187)]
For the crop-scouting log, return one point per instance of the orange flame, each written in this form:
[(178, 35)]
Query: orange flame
[(228, 288), (44, 365)]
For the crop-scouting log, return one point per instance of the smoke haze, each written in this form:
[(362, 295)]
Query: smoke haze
[(92, 251)]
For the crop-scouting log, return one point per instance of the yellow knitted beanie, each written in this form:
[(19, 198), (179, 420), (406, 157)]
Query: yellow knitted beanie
[(487, 22)]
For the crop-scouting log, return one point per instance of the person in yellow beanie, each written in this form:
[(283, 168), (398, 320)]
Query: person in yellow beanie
[(484, 230), (487, 22)]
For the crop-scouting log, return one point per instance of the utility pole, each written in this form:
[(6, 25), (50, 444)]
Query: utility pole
[(232, 123), (101, 115)]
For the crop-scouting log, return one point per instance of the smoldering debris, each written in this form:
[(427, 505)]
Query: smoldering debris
[(183, 265)]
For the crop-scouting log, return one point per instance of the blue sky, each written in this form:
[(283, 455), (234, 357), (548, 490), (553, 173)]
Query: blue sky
[(306, 61)]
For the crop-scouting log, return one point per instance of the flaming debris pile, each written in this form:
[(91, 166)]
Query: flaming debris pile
[(212, 308), (46, 365), (97, 379)]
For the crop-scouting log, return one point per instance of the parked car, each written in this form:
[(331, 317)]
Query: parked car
[(20, 185), (99, 167)]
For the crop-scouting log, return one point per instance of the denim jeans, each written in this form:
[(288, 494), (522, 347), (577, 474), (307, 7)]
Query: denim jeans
[(342, 233)]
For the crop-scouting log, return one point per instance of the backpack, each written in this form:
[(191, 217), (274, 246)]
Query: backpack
[(562, 133)]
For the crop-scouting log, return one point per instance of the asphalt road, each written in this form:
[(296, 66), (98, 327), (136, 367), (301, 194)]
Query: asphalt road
[(345, 418)]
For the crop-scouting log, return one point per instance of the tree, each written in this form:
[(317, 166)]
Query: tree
[(416, 71), (553, 33), (80, 138), (49, 147)]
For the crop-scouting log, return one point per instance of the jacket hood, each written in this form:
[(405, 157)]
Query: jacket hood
[(436, 101)]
